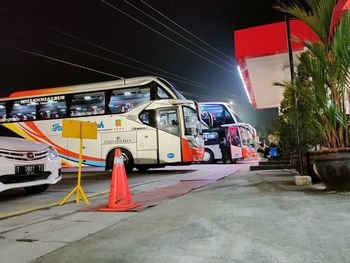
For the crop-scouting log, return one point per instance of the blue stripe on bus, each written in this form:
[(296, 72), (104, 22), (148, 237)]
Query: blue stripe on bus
[(87, 162)]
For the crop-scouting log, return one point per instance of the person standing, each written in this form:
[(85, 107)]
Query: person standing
[(224, 147)]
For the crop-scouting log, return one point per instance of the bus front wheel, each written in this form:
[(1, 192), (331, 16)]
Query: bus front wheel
[(127, 158), (208, 156)]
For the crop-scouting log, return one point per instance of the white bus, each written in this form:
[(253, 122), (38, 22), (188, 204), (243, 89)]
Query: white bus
[(215, 114), (142, 116)]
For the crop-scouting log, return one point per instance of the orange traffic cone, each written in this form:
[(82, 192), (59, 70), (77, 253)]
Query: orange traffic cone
[(119, 194)]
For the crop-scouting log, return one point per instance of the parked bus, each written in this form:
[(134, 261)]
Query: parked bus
[(146, 117), (215, 114), (241, 142)]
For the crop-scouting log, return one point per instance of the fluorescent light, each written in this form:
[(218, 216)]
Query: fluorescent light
[(87, 98), (127, 93), (244, 85)]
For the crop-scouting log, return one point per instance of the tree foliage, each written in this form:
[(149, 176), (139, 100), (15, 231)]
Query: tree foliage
[(310, 130), (326, 65)]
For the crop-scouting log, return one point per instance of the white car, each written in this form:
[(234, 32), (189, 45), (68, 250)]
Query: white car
[(29, 165)]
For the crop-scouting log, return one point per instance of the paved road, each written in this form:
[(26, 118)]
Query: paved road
[(33, 234), (248, 217), (97, 183)]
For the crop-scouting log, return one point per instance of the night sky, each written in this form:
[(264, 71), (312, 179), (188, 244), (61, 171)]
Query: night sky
[(84, 32)]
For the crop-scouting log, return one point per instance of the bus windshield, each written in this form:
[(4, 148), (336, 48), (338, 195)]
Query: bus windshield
[(172, 88), (219, 113), (191, 121)]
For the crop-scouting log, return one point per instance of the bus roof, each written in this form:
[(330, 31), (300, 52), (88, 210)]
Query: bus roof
[(217, 103), (81, 87)]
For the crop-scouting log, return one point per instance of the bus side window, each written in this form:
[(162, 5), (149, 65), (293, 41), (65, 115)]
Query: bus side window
[(161, 94), (23, 111), (124, 100), (53, 109), (228, 117), (144, 117), (87, 104), (148, 117), (2, 112), (168, 121)]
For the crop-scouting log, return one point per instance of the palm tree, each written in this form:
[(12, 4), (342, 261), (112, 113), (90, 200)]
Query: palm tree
[(327, 62)]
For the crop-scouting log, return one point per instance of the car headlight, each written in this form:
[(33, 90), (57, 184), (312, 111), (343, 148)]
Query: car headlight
[(53, 153)]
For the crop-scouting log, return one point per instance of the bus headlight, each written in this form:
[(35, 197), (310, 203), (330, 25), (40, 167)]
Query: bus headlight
[(52, 153)]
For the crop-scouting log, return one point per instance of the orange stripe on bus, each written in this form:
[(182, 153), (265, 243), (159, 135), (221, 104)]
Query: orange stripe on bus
[(59, 148), (41, 92), (186, 151)]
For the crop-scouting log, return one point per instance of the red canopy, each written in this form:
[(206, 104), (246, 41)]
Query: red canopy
[(262, 55), (341, 7)]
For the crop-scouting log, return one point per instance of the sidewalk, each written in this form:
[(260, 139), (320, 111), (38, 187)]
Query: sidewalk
[(248, 217)]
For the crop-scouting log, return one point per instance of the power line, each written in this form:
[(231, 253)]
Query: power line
[(187, 31), (129, 58), (174, 31), (101, 57), (161, 34), (83, 67), (108, 50), (59, 60)]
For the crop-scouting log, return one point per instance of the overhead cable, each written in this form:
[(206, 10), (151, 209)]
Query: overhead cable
[(83, 67), (189, 82), (104, 58), (177, 33), (109, 50), (187, 31), (161, 34), (59, 60)]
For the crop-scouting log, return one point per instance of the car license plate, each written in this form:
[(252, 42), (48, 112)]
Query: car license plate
[(29, 169)]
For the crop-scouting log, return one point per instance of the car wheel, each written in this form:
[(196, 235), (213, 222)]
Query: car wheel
[(208, 156), (36, 189), (127, 158)]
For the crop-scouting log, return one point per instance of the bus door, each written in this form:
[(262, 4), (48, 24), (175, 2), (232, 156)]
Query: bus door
[(169, 135), (235, 142), (147, 146), (147, 139), (245, 142)]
